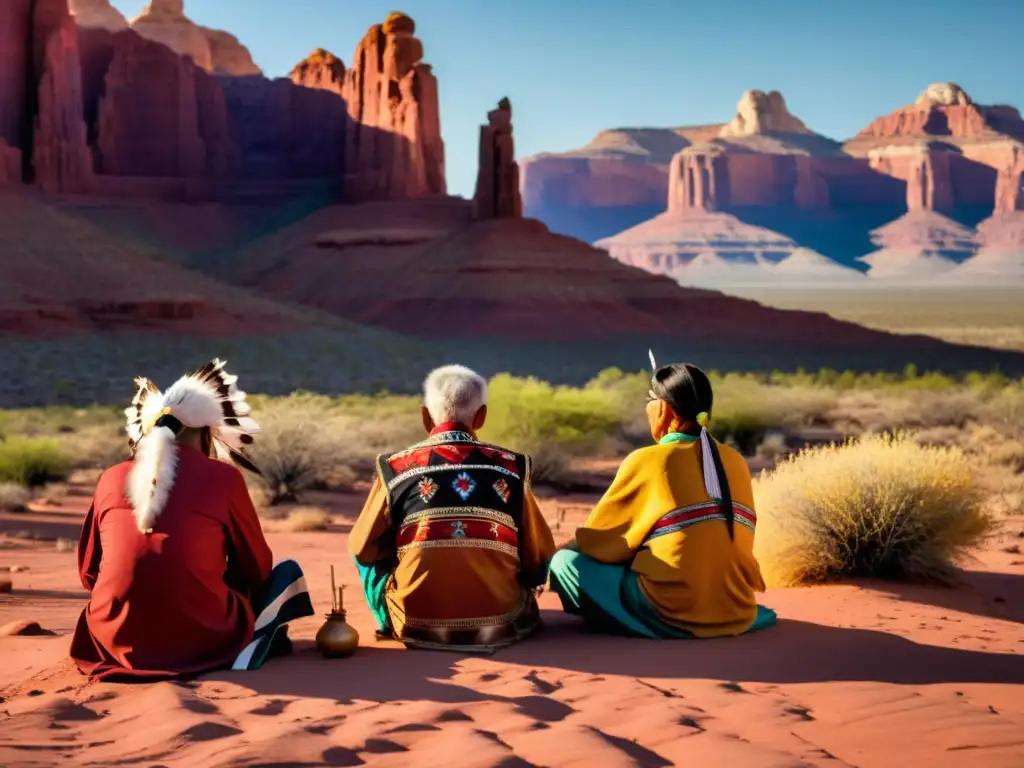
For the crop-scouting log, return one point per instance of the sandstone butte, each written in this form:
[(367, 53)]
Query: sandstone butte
[(389, 264), (111, 112), (943, 154), (160, 108)]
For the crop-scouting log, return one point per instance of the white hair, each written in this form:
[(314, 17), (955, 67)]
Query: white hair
[(454, 393)]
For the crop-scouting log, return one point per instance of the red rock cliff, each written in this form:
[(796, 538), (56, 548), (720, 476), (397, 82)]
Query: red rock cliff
[(394, 148), (766, 157), (15, 42), (161, 115), (42, 133), (497, 182), (952, 151)]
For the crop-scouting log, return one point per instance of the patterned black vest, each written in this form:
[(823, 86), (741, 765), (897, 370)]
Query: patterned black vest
[(452, 490)]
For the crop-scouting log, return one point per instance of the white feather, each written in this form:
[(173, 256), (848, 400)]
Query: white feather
[(193, 403), (711, 485), (654, 365), (152, 477)]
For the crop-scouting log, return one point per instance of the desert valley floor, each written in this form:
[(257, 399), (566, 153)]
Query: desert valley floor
[(866, 675)]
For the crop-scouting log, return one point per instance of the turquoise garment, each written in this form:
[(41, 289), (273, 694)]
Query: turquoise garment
[(608, 597), (375, 580)]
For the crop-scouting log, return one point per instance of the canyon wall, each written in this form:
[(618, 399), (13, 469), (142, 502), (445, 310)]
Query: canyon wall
[(160, 107), (943, 154)]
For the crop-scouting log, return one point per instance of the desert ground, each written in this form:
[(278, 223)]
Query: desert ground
[(975, 315), (859, 671), (864, 674)]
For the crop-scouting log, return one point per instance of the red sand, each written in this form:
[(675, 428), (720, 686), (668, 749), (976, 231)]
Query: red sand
[(852, 676)]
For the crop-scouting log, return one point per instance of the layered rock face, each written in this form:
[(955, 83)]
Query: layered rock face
[(497, 182), (15, 45), (955, 154), (759, 112), (164, 21), (227, 55), (179, 130), (393, 148), (617, 180), (97, 14), (943, 154), (766, 157), (169, 110), (42, 133)]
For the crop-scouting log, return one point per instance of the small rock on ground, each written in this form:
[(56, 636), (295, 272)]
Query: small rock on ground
[(24, 628)]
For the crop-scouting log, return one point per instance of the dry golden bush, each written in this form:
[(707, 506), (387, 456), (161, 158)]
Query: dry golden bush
[(53, 493), (882, 506), (95, 446), (303, 519), (299, 519)]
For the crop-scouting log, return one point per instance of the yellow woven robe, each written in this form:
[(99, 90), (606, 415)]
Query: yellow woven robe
[(694, 575)]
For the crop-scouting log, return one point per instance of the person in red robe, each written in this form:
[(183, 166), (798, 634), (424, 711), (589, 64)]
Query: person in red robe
[(180, 576)]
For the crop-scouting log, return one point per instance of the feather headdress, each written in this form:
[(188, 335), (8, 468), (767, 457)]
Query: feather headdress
[(207, 397)]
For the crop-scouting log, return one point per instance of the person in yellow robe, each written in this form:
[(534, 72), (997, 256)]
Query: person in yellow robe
[(668, 550)]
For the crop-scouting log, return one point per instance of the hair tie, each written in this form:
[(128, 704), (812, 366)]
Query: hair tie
[(163, 412), (711, 484)]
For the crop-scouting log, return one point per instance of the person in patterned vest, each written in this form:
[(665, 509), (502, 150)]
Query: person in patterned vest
[(451, 545)]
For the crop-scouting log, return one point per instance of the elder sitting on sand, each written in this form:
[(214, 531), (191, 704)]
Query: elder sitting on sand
[(451, 545), (668, 550), (172, 551)]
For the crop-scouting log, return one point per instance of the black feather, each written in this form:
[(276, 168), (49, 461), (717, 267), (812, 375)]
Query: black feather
[(243, 461), (203, 374)]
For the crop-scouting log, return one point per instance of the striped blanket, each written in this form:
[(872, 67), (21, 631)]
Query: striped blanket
[(286, 598)]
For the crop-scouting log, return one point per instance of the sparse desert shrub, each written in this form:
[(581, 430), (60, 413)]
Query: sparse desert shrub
[(773, 448), (302, 519), (882, 507), (14, 497), (296, 449), (552, 424), (53, 493), (32, 462), (95, 446)]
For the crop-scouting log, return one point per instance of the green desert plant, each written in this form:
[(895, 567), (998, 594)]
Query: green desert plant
[(884, 507), (552, 424), (32, 462)]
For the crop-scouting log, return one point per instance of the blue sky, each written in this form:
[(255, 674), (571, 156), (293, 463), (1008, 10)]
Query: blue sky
[(574, 67)]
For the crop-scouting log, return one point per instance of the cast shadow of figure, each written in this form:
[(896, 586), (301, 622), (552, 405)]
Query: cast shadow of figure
[(792, 652)]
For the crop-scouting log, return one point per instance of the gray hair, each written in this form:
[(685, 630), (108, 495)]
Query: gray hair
[(454, 393)]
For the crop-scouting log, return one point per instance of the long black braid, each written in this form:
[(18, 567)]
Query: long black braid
[(688, 391)]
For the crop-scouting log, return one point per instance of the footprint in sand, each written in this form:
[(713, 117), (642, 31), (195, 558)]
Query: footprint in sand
[(271, 707), (209, 731), (541, 685)]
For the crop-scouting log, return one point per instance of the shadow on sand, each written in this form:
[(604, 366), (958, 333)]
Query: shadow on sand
[(980, 593), (792, 652)]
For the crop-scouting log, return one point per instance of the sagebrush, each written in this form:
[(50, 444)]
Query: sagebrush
[(883, 506)]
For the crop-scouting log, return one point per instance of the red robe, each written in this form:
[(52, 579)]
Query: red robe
[(178, 600)]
